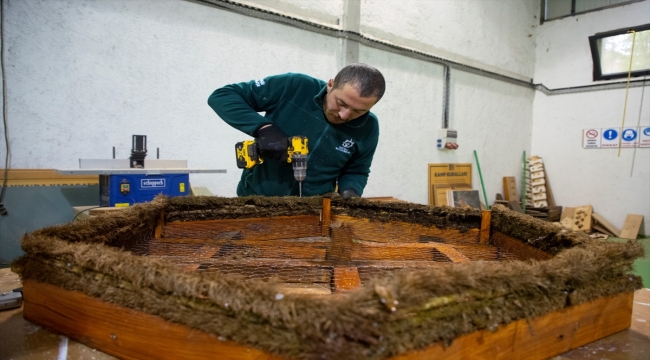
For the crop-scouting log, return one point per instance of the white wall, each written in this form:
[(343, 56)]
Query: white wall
[(615, 186), (492, 35), (84, 76)]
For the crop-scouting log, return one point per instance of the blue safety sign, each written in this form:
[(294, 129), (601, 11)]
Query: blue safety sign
[(610, 134), (629, 134), (646, 131)]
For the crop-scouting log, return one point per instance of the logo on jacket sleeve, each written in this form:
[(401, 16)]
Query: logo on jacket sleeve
[(259, 83), (345, 146)]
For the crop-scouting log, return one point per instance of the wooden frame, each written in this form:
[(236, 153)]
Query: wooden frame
[(130, 334), (335, 252)]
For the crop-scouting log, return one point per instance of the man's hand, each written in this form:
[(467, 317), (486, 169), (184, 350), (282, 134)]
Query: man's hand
[(272, 143), (349, 193)]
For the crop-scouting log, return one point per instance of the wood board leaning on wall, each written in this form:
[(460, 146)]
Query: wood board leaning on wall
[(448, 176)]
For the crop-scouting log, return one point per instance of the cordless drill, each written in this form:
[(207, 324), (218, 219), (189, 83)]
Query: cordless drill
[(248, 155)]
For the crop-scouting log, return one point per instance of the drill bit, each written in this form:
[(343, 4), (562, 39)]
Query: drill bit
[(299, 162)]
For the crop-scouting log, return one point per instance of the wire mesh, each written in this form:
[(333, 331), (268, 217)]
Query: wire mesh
[(292, 251)]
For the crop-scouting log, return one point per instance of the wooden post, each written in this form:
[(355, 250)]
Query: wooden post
[(327, 216), (345, 278), (484, 234), (160, 224)]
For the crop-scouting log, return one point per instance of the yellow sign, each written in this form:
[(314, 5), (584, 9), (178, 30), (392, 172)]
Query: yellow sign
[(182, 187), (458, 175), (121, 204)]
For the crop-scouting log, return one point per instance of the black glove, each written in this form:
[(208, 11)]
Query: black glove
[(348, 193), (272, 143)]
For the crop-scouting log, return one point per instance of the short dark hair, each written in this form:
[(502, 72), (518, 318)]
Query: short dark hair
[(368, 80)]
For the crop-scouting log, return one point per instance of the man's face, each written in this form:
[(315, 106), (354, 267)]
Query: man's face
[(345, 104)]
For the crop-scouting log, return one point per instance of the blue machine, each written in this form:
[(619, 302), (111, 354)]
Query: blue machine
[(128, 189)]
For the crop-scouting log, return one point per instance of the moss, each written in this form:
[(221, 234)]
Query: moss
[(430, 305)]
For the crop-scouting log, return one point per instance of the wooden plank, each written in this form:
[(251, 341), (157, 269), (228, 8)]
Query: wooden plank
[(453, 254), (122, 332), (402, 232), (345, 278), (304, 289), (566, 219), (515, 247), (130, 334), (613, 230), (327, 217), (312, 240), (240, 249), (160, 226), (283, 270), (341, 247), (416, 252), (539, 338), (510, 188), (631, 226), (45, 177), (550, 199), (515, 206), (484, 233), (602, 230), (280, 227), (582, 218)]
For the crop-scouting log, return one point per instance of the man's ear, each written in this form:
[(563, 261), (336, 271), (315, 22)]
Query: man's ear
[(330, 85)]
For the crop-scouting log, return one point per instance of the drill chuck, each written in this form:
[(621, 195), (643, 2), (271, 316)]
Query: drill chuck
[(299, 163)]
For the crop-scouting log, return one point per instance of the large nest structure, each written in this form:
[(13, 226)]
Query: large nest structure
[(392, 277)]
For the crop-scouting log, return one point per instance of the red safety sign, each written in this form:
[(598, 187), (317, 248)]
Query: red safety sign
[(592, 133)]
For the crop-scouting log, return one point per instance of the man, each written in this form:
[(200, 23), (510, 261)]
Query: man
[(335, 117)]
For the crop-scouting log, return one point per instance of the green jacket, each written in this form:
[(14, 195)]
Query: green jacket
[(294, 103)]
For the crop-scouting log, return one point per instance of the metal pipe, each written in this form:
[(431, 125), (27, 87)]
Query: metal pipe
[(445, 99)]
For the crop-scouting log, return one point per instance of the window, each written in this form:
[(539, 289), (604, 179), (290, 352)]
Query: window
[(611, 52), (557, 9)]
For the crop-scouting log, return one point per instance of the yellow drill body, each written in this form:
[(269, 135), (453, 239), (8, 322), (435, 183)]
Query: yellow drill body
[(248, 156)]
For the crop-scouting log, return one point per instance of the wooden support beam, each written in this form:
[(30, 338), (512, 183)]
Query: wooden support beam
[(280, 227), (160, 225), (522, 251), (326, 217), (345, 278), (233, 250), (284, 270), (130, 334), (340, 249), (486, 217), (402, 232), (367, 250), (452, 254)]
